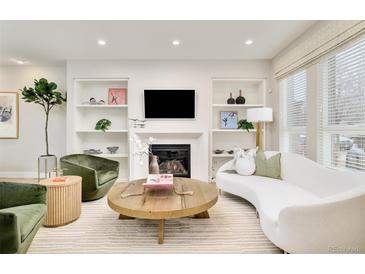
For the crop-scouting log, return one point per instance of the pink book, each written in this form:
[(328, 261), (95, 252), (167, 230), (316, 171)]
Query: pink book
[(117, 96), (159, 181), (59, 179)]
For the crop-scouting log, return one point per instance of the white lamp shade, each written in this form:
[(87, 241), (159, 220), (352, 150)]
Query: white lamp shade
[(259, 115)]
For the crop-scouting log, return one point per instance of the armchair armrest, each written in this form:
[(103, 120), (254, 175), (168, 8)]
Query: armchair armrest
[(89, 177), (17, 194), (9, 233), (107, 164)]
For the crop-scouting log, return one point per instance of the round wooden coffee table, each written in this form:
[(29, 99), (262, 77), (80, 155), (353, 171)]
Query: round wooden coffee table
[(189, 197), (63, 201)]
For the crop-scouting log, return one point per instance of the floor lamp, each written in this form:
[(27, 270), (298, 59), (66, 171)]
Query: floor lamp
[(258, 116)]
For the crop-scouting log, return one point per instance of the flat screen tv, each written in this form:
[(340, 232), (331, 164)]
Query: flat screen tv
[(169, 104)]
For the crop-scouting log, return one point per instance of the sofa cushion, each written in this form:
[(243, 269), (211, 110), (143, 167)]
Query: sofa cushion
[(244, 162), (28, 217), (266, 194), (248, 187), (268, 167), (105, 176), (286, 194)]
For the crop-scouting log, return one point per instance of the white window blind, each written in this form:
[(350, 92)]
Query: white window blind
[(341, 135), (293, 94)]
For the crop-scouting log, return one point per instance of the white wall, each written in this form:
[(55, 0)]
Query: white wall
[(18, 157), (172, 74)]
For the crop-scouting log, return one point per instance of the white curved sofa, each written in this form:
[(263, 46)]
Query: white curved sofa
[(312, 210)]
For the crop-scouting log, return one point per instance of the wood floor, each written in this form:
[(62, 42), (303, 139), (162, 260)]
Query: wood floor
[(232, 228)]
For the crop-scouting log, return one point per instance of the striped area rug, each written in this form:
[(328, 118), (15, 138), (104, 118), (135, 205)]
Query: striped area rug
[(232, 228)]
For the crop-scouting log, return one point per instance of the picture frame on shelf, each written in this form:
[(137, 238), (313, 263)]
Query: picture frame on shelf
[(228, 119), (117, 96), (9, 115)]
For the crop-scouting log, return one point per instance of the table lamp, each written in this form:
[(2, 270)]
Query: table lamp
[(258, 116)]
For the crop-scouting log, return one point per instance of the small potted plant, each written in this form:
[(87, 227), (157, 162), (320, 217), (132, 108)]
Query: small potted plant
[(103, 125), (245, 125)]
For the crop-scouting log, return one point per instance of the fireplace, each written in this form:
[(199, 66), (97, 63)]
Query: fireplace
[(174, 159)]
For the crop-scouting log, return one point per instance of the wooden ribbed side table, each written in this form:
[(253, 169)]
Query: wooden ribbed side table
[(64, 201)]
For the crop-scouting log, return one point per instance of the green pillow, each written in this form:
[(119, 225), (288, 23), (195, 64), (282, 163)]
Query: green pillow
[(268, 167)]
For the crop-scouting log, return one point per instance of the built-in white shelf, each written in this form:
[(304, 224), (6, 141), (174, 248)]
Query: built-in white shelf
[(223, 155), (254, 92), (101, 106), (233, 130), (115, 155), (99, 131), (83, 117), (237, 105)]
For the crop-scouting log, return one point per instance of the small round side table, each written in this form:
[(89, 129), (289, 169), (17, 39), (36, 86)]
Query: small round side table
[(64, 201)]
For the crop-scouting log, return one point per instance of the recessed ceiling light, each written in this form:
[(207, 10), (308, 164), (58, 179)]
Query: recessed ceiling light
[(101, 42), (20, 62), (249, 42), (176, 42)]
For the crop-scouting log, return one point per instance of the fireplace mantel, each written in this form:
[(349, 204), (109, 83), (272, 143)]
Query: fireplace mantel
[(173, 132)]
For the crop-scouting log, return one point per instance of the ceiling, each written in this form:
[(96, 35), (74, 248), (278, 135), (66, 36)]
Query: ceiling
[(54, 42)]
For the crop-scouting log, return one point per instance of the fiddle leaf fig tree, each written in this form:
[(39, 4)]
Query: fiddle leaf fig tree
[(45, 94)]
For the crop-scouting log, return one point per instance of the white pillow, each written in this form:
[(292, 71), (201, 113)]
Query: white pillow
[(244, 161)]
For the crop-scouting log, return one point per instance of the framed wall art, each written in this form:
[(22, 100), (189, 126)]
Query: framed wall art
[(228, 119), (9, 115), (117, 96)]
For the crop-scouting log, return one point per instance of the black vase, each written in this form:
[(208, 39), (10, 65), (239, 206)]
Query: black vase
[(240, 99), (230, 100)]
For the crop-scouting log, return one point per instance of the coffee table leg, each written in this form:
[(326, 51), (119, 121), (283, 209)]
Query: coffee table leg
[(124, 217), (161, 231), (202, 215)]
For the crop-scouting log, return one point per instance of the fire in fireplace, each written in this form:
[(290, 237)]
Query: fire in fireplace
[(173, 159)]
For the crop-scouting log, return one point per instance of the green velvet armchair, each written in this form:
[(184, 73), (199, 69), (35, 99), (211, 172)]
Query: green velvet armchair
[(23, 208), (98, 174)]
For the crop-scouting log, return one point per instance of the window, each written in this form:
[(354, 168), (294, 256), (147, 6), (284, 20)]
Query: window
[(293, 93), (341, 135)]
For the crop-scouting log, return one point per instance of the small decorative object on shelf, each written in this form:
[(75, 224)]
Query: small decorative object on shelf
[(113, 149), (228, 119), (103, 125), (138, 123), (218, 151), (231, 100), (240, 100), (159, 181), (245, 125), (93, 151), (117, 96), (92, 101)]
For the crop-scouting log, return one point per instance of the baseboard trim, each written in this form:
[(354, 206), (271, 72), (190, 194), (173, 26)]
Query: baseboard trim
[(17, 174)]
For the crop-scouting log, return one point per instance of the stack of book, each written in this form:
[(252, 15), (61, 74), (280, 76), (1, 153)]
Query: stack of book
[(159, 181), (59, 179)]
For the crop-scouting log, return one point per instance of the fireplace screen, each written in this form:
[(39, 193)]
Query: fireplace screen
[(173, 159)]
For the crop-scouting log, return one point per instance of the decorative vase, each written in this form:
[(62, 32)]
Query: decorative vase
[(154, 167), (230, 100), (240, 99)]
